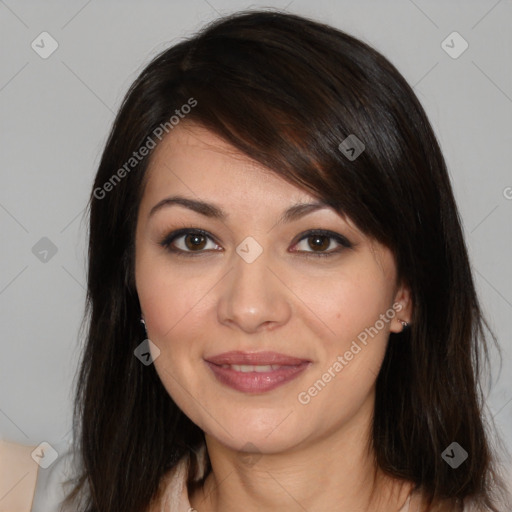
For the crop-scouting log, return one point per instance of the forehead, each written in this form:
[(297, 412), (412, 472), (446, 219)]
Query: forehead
[(200, 162)]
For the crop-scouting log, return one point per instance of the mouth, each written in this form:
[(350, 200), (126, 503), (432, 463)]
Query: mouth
[(255, 372)]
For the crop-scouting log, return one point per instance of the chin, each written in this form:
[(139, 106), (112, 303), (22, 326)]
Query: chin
[(259, 431)]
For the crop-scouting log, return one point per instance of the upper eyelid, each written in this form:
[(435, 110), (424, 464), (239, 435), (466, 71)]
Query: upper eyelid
[(340, 239), (178, 233)]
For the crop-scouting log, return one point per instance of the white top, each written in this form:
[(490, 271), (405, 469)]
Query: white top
[(51, 486), (51, 489)]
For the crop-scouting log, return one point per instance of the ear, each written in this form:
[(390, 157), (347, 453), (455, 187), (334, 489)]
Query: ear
[(402, 305)]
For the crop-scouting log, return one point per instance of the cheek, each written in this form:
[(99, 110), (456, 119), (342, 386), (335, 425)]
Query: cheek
[(349, 302), (171, 301), (175, 306), (354, 354)]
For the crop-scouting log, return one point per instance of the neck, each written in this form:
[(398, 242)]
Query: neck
[(334, 473)]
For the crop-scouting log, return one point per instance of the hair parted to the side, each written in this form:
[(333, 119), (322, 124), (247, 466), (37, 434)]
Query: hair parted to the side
[(286, 90)]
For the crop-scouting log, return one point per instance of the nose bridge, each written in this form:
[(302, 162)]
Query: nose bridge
[(251, 277), (252, 295)]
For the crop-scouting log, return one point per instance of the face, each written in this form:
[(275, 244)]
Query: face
[(271, 327)]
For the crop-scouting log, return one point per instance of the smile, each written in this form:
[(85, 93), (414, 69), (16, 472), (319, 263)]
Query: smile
[(255, 372)]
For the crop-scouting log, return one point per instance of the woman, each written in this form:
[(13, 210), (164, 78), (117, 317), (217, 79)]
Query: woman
[(282, 312)]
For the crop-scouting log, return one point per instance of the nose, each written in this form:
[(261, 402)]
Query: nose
[(252, 297)]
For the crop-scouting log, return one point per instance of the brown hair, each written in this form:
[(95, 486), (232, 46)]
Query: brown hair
[(286, 91)]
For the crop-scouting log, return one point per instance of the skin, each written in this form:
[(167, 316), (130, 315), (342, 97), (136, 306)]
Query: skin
[(288, 300)]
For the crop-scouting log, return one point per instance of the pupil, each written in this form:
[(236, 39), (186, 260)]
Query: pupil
[(196, 241), (319, 242)]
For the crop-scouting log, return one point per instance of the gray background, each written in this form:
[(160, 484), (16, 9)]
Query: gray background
[(55, 114)]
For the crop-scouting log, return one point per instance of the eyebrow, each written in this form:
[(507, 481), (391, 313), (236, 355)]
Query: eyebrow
[(292, 213)]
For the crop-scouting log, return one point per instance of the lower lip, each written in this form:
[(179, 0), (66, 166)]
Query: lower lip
[(256, 382)]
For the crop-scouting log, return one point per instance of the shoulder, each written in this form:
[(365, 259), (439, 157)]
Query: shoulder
[(55, 481), (18, 474), (34, 478)]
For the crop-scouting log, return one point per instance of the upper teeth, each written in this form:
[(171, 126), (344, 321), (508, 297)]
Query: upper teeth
[(252, 368)]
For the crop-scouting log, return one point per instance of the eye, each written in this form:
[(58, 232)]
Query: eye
[(194, 242), (188, 241), (319, 241)]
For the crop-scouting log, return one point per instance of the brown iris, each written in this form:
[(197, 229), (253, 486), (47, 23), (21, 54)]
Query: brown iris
[(196, 241), (320, 242)]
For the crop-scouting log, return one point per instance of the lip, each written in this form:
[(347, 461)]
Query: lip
[(288, 369), (255, 358)]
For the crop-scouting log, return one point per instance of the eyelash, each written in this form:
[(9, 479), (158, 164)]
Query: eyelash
[(167, 241)]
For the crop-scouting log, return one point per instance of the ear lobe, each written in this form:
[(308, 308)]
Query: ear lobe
[(403, 307)]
